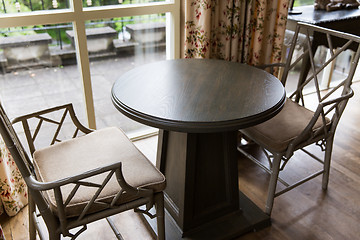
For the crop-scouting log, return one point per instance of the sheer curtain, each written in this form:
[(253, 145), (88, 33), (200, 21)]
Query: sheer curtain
[(247, 31)]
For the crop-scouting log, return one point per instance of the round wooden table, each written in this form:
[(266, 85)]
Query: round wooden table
[(199, 105)]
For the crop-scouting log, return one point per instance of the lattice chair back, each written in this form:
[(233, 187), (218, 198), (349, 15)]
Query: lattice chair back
[(329, 103), (25, 165), (50, 126)]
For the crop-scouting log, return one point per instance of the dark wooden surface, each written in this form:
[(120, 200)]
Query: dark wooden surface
[(193, 95), (341, 20), (199, 105), (319, 17)]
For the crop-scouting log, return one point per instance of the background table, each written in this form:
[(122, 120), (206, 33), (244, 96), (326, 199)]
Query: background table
[(341, 20), (199, 105)]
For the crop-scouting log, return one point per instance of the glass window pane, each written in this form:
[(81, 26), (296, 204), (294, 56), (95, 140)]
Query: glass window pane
[(10, 6), (134, 41), (39, 70), (303, 2), (96, 3)]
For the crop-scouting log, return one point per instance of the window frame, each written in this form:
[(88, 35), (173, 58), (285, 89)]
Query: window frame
[(78, 15)]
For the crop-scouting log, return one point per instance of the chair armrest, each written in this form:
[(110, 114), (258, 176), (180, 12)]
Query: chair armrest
[(62, 200), (319, 111), (339, 99), (112, 168), (43, 186)]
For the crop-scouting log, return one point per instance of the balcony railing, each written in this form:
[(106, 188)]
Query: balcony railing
[(10, 6), (53, 45)]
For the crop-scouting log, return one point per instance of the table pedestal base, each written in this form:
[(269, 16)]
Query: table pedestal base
[(202, 197), (250, 219)]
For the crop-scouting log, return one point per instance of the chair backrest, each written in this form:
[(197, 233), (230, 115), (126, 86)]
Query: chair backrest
[(329, 103), (24, 164), (14, 145), (50, 126)]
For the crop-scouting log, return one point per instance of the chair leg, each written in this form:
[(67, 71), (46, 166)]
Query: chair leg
[(328, 151), (31, 210), (54, 236), (273, 182), (160, 215)]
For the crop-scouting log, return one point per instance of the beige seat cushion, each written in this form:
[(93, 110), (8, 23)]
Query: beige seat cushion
[(276, 133), (97, 149)]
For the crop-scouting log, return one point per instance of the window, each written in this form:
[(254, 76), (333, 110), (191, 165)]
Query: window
[(303, 2), (74, 28)]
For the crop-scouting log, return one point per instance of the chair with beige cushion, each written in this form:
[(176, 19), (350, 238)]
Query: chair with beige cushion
[(304, 121), (78, 181)]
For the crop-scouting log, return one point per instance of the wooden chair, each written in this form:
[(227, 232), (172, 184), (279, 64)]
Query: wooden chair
[(84, 179), (299, 125)]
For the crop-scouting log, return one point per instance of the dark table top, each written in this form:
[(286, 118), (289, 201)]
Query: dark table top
[(193, 95), (347, 21), (319, 17)]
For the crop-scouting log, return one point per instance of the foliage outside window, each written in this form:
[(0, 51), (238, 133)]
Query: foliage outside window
[(298, 3)]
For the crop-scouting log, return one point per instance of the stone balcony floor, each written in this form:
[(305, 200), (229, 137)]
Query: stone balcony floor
[(29, 90)]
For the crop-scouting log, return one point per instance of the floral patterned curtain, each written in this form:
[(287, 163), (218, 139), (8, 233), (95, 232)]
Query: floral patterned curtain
[(247, 31), (13, 189)]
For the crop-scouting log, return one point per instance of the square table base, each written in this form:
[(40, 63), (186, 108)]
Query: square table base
[(202, 196), (250, 219)]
